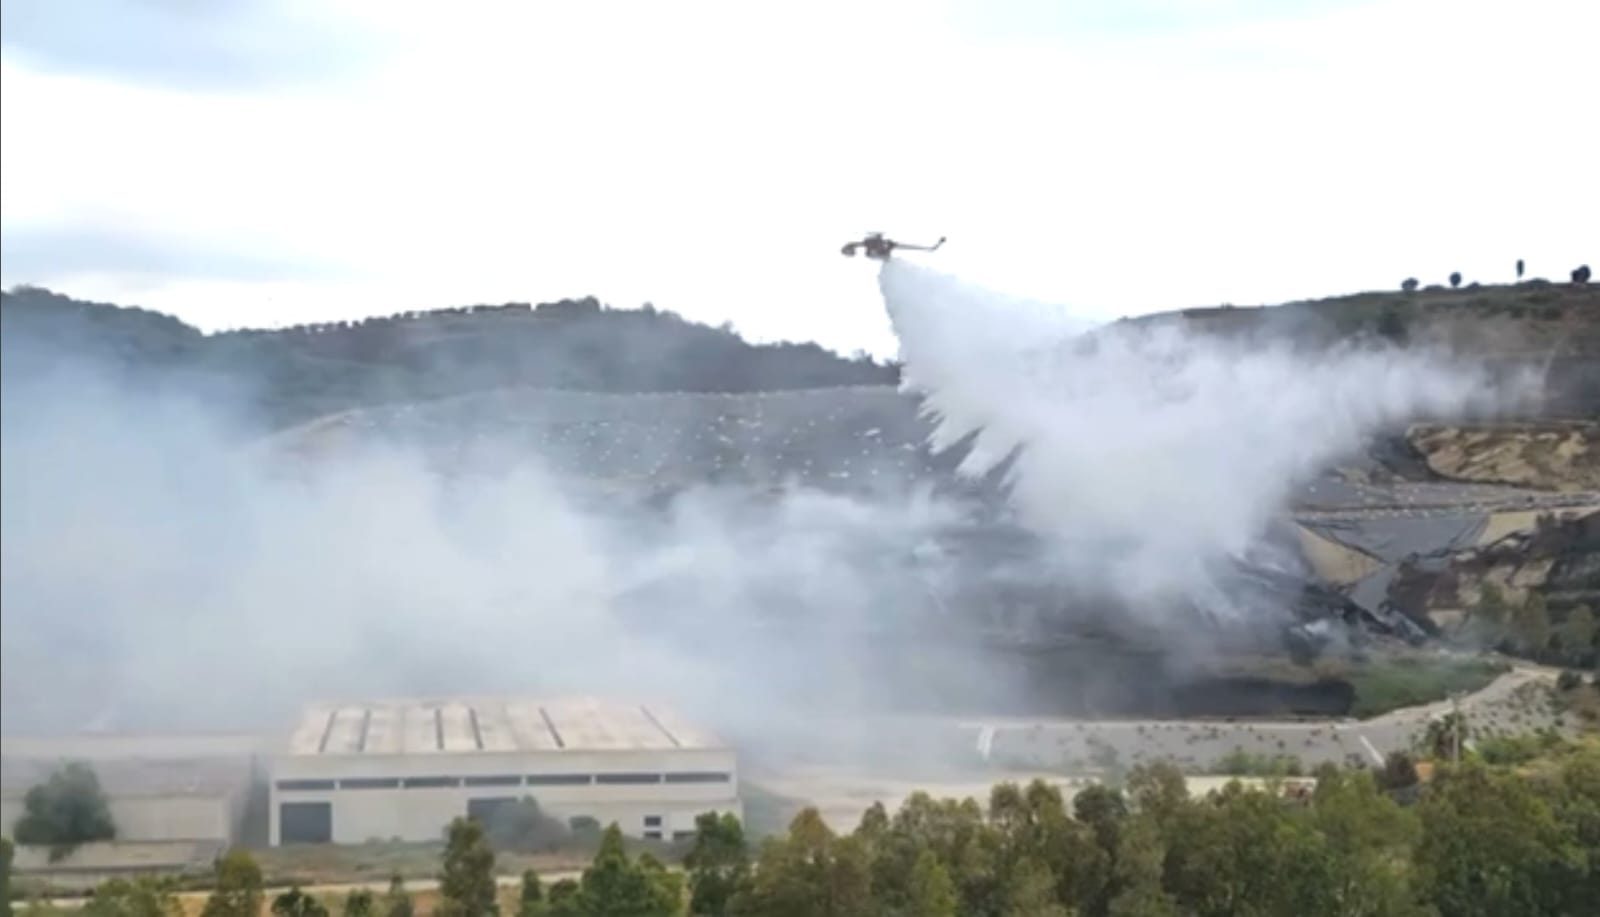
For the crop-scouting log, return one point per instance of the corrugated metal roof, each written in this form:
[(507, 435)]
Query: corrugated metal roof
[(467, 725)]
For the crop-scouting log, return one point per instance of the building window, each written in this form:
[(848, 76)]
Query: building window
[(652, 835), (627, 778), (484, 810), (498, 780), (305, 785), (699, 777), (305, 823), (652, 821), (423, 783), (370, 783), (558, 780)]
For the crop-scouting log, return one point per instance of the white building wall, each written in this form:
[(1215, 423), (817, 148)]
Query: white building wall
[(157, 818), (174, 818), (359, 816), (422, 814)]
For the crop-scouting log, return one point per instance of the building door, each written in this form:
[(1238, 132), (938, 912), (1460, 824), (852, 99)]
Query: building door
[(305, 823)]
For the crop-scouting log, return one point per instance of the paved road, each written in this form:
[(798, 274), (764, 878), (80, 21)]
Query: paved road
[(922, 753), (1078, 745)]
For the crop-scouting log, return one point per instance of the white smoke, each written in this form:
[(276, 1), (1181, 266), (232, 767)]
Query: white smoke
[(158, 570), (1148, 451)]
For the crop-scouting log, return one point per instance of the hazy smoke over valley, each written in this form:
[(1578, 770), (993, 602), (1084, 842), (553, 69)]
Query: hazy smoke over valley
[(1145, 451), (164, 566)]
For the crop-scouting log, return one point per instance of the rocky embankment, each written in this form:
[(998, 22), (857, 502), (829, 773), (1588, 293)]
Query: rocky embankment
[(1561, 456)]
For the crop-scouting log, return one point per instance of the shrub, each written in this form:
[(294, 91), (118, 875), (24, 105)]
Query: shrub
[(146, 896), (397, 903), (296, 903), (1399, 771), (66, 810), (238, 887), (359, 903), (1240, 763)]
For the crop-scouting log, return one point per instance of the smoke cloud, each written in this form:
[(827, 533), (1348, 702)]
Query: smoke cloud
[(161, 567), (164, 568), (1146, 452)]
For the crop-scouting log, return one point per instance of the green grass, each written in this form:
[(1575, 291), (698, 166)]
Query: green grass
[(1519, 749), (1386, 685)]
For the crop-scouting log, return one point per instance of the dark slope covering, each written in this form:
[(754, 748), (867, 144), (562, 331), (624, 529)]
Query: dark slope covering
[(845, 439)]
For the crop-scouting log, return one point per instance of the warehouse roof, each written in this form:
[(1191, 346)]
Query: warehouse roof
[(467, 725)]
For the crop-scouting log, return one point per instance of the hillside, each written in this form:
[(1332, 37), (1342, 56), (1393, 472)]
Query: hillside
[(1555, 327), (1534, 318), (631, 407), (292, 375)]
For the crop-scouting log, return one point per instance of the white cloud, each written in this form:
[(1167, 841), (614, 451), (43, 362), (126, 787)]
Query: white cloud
[(711, 157)]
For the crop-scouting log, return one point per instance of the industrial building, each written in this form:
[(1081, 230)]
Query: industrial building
[(158, 788), (404, 769)]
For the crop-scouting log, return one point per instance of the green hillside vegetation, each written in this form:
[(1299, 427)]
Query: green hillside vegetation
[(1534, 317), (295, 374), (292, 375), (1392, 684)]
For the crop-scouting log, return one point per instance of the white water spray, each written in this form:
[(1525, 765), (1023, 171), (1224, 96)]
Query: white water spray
[(1148, 451)]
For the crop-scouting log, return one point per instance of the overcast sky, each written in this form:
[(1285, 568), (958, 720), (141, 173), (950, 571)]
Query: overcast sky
[(256, 163)]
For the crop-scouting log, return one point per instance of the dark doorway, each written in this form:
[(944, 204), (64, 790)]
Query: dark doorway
[(305, 823)]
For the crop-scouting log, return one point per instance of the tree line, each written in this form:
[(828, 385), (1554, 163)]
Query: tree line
[(1475, 840), (1507, 830), (1579, 275)]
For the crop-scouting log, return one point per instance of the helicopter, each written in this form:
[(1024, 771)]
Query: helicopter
[(874, 245)]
